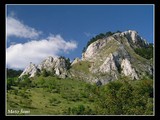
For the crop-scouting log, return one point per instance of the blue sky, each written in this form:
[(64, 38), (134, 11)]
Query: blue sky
[(72, 25)]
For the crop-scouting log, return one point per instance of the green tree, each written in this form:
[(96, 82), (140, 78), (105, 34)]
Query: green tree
[(107, 101), (124, 94), (10, 82), (67, 62), (45, 73), (146, 52), (109, 34), (25, 82), (13, 73)]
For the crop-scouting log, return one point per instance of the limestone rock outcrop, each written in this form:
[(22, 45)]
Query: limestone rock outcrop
[(114, 56), (30, 70), (76, 60), (127, 69), (55, 66), (133, 39), (95, 47), (104, 60), (108, 65)]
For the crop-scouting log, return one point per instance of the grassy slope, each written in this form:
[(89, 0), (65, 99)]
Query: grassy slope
[(38, 102), (70, 94), (81, 71)]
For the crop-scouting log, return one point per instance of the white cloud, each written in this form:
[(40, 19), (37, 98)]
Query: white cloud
[(20, 55), (18, 29)]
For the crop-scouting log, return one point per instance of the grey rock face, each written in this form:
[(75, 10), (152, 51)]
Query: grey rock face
[(53, 65), (93, 48), (108, 65), (56, 65), (131, 35), (127, 69), (30, 70), (75, 61), (134, 38)]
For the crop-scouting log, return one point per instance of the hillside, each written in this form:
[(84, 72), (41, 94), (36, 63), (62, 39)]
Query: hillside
[(106, 58), (113, 77), (57, 96), (114, 56)]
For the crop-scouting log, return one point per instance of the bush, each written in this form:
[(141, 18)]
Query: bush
[(23, 94), (13, 73), (54, 101), (45, 73), (71, 96), (126, 97), (25, 82), (144, 87), (10, 82), (79, 110), (67, 62), (145, 52)]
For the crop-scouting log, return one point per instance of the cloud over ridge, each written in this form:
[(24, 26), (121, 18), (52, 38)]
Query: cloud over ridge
[(19, 55)]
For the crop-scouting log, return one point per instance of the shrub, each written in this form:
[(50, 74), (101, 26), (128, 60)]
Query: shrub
[(146, 52), (45, 73), (54, 101), (10, 82), (13, 73), (79, 110)]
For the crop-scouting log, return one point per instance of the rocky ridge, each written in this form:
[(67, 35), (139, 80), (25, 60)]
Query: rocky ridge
[(103, 61), (30, 70), (114, 56), (53, 65)]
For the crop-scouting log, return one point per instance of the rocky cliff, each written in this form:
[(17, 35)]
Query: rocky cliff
[(114, 56), (127, 69), (104, 60), (52, 65), (30, 70)]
